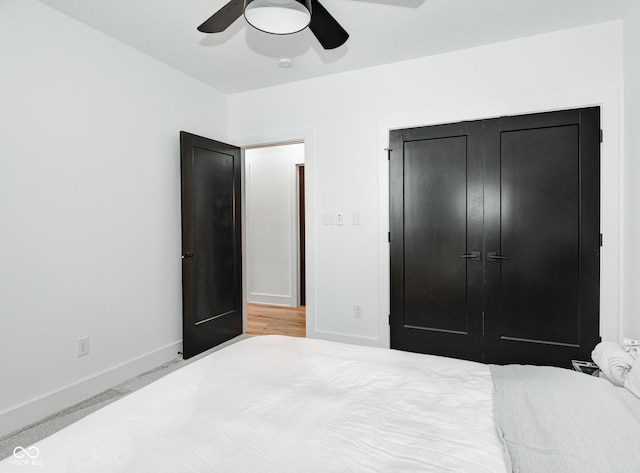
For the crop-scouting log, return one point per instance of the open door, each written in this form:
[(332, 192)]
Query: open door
[(211, 243)]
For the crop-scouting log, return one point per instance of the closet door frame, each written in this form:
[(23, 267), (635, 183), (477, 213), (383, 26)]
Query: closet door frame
[(608, 99)]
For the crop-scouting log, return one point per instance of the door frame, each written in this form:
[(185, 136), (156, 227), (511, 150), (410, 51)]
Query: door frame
[(610, 201), (275, 139)]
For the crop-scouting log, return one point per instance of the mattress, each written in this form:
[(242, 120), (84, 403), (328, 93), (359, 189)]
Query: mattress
[(280, 404)]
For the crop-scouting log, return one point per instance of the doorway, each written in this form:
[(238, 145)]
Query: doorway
[(275, 239)]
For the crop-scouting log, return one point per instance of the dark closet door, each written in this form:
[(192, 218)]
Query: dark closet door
[(211, 243), (542, 223), (495, 233), (436, 239)]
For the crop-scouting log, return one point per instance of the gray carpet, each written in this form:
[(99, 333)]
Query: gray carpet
[(45, 427)]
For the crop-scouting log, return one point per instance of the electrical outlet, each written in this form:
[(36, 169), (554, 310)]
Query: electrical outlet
[(83, 346), (357, 311)]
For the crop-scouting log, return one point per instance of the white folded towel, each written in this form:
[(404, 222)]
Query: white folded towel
[(613, 361)]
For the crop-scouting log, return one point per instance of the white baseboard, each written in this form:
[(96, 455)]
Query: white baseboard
[(271, 299), (30, 412), (344, 338)]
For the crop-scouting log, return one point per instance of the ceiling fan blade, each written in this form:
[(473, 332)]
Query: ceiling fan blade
[(325, 27), (223, 18)]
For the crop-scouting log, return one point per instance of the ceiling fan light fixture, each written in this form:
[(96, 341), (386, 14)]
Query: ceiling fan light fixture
[(278, 16)]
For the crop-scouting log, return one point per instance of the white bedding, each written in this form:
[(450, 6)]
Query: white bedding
[(557, 420), (280, 404)]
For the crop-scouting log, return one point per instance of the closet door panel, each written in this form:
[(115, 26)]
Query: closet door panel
[(435, 233), (542, 202), (436, 222)]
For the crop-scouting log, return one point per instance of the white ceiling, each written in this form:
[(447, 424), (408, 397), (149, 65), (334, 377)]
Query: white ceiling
[(381, 31)]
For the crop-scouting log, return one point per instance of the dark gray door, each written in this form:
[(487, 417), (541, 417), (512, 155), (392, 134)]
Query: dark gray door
[(543, 186), (436, 239), (211, 243), (495, 238)]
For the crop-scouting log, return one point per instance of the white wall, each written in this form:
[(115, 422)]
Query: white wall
[(89, 208), (350, 114), (271, 223), (632, 170)]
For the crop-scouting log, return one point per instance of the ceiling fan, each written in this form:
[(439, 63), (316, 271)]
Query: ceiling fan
[(280, 17)]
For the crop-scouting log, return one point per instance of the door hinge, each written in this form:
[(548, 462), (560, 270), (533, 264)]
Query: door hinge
[(601, 136), (389, 319), (483, 325), (388, 150), (389, 236), (601, 239)]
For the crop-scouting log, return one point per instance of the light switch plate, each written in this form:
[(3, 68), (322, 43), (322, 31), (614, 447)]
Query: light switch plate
[(328, 219)]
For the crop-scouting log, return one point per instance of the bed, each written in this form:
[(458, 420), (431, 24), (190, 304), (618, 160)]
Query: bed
[(282, 404)]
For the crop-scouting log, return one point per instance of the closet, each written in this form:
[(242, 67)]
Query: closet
[(495, 238)]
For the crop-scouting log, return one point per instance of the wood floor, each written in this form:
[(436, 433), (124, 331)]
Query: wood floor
[(276, 320)]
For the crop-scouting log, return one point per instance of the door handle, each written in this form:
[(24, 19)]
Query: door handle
[(471, 255), (494, 256), (187, 255)]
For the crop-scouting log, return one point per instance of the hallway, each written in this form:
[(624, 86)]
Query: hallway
[(276, 320)]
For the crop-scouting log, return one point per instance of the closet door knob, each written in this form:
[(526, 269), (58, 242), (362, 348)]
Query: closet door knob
[(471, 255), (494, 256)]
